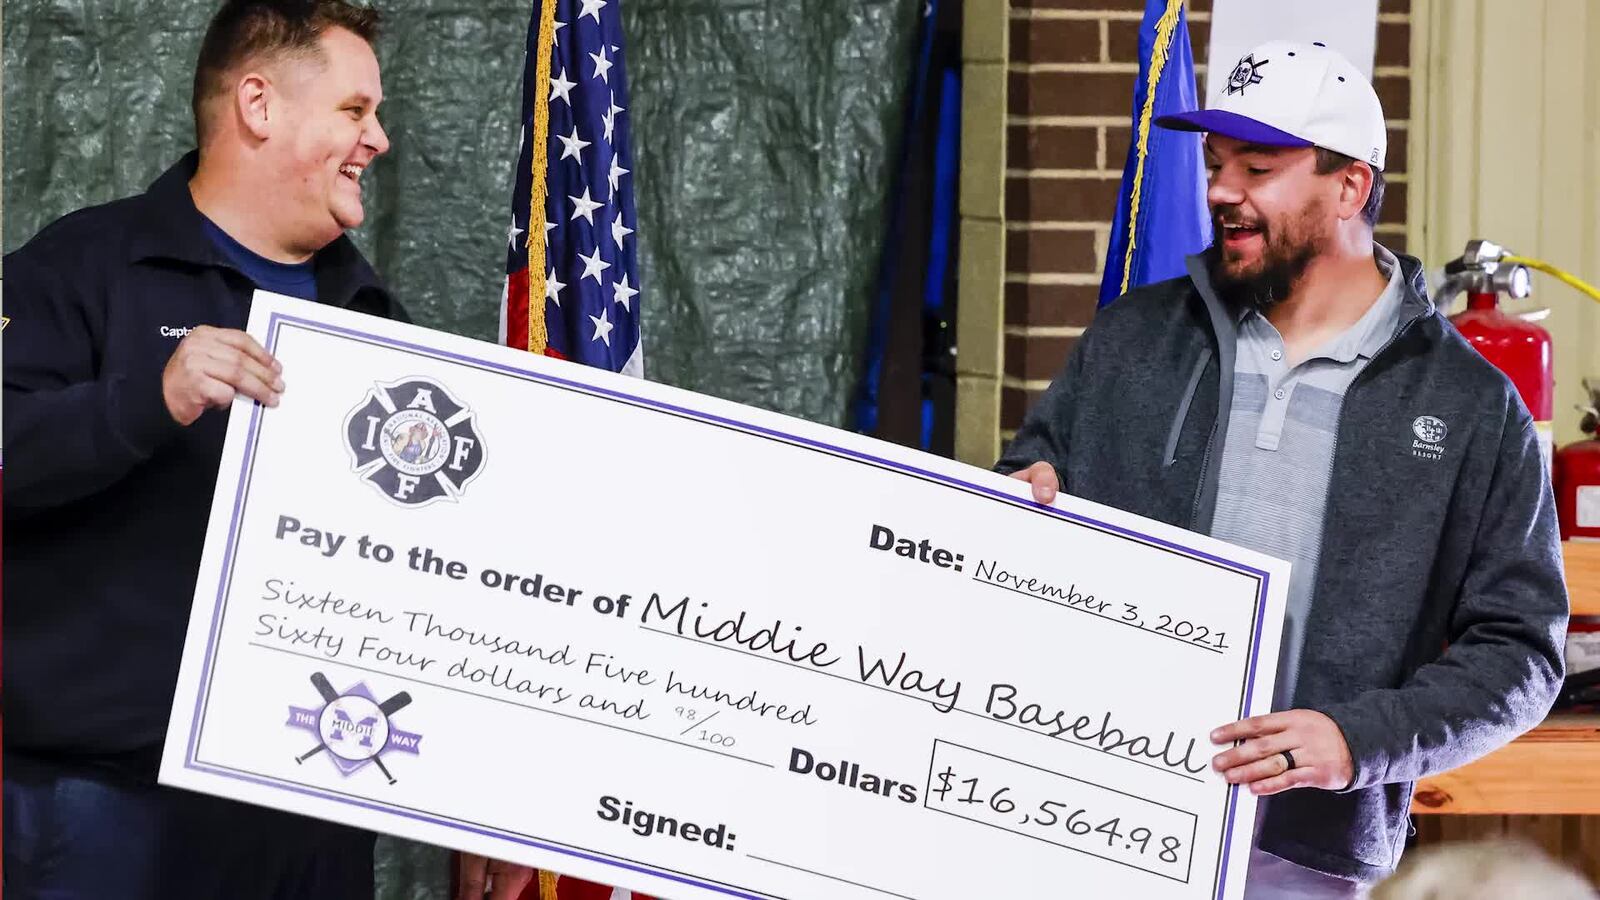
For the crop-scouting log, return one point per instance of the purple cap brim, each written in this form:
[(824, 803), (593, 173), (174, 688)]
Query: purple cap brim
[(1230, 124)]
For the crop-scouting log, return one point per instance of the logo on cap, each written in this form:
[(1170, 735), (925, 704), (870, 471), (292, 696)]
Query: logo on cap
[(1246, 73)]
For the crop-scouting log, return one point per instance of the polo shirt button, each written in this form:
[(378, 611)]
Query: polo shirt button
[(1277, 354), (1279, 394)]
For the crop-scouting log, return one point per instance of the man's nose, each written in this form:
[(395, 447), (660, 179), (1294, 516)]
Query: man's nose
[(377, 138), (1223, 191)]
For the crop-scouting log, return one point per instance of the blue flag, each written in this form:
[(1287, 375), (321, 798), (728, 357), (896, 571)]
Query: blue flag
[(1161, 210)]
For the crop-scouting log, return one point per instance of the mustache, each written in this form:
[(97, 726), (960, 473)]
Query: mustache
[(1228, 215)]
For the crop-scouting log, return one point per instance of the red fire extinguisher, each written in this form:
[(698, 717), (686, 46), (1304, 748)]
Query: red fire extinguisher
[(1516, 346), (1578, 477)]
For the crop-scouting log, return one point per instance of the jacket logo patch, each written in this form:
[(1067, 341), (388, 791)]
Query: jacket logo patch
[(1430, 433), (414, 442)]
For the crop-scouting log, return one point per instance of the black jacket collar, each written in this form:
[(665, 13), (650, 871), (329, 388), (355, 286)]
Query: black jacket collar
[(173, 230)]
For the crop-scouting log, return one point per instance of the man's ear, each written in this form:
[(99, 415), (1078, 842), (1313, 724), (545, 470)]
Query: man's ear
[(1355, 183), (255, 103)]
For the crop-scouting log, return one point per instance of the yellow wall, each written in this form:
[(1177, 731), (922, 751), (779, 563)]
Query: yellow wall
[(1505, 146), (980, 316)]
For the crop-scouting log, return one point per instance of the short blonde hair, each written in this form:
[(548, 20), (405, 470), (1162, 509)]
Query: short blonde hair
[(1499, 869)]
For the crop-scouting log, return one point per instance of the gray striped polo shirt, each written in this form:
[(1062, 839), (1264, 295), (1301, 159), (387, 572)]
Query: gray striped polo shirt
[(1278, 453)]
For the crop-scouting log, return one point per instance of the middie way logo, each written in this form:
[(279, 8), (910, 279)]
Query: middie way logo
[(353, 727), (414, 442)]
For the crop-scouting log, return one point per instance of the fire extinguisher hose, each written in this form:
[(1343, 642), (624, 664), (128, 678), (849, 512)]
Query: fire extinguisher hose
[(1560, 273)]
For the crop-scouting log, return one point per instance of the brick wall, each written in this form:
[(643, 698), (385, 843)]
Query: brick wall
[(1071, 74)]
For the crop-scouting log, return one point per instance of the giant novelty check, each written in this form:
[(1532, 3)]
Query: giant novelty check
[(515, 606)]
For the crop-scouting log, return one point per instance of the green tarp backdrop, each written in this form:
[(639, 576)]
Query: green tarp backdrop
[(764, 138)]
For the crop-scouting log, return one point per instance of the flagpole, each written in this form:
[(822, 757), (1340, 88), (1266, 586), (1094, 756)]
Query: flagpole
[(538, 338)]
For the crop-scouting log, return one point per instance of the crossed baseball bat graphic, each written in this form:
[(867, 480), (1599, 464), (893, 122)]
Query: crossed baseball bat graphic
[(388, 707)]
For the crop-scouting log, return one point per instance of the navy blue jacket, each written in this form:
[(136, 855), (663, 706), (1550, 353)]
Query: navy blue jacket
[(1439, 613), (106, 496)]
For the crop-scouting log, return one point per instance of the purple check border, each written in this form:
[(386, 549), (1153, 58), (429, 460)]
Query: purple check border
[(274, 326)]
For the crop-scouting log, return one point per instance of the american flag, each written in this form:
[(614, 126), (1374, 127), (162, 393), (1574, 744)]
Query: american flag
[(579, 259), (580, 254)]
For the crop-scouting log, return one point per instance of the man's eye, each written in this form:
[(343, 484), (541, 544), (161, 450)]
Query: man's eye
[(355, 112), (1257, 170)]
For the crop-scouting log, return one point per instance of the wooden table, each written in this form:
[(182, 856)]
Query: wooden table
[(1583, 577), (1553, 769)]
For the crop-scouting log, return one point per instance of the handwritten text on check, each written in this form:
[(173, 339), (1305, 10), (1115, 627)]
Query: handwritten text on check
[(653, 639)]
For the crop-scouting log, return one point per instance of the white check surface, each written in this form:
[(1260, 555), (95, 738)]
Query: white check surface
[(667, 642)]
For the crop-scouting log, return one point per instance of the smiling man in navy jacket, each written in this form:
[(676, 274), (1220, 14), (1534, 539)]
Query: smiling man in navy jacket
[(123, 355), (1298, 394)]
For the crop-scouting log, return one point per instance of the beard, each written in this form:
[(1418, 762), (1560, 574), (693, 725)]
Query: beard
[(1288, 247)]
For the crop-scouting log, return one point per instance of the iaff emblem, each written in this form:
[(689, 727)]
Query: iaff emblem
[(1245, 73), (353, 727), (414, 442)]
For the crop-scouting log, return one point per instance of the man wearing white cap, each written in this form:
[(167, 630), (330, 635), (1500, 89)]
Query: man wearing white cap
[(1298, 394)]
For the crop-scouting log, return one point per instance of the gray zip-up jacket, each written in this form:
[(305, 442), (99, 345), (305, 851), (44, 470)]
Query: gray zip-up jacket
[(1438, 619)]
